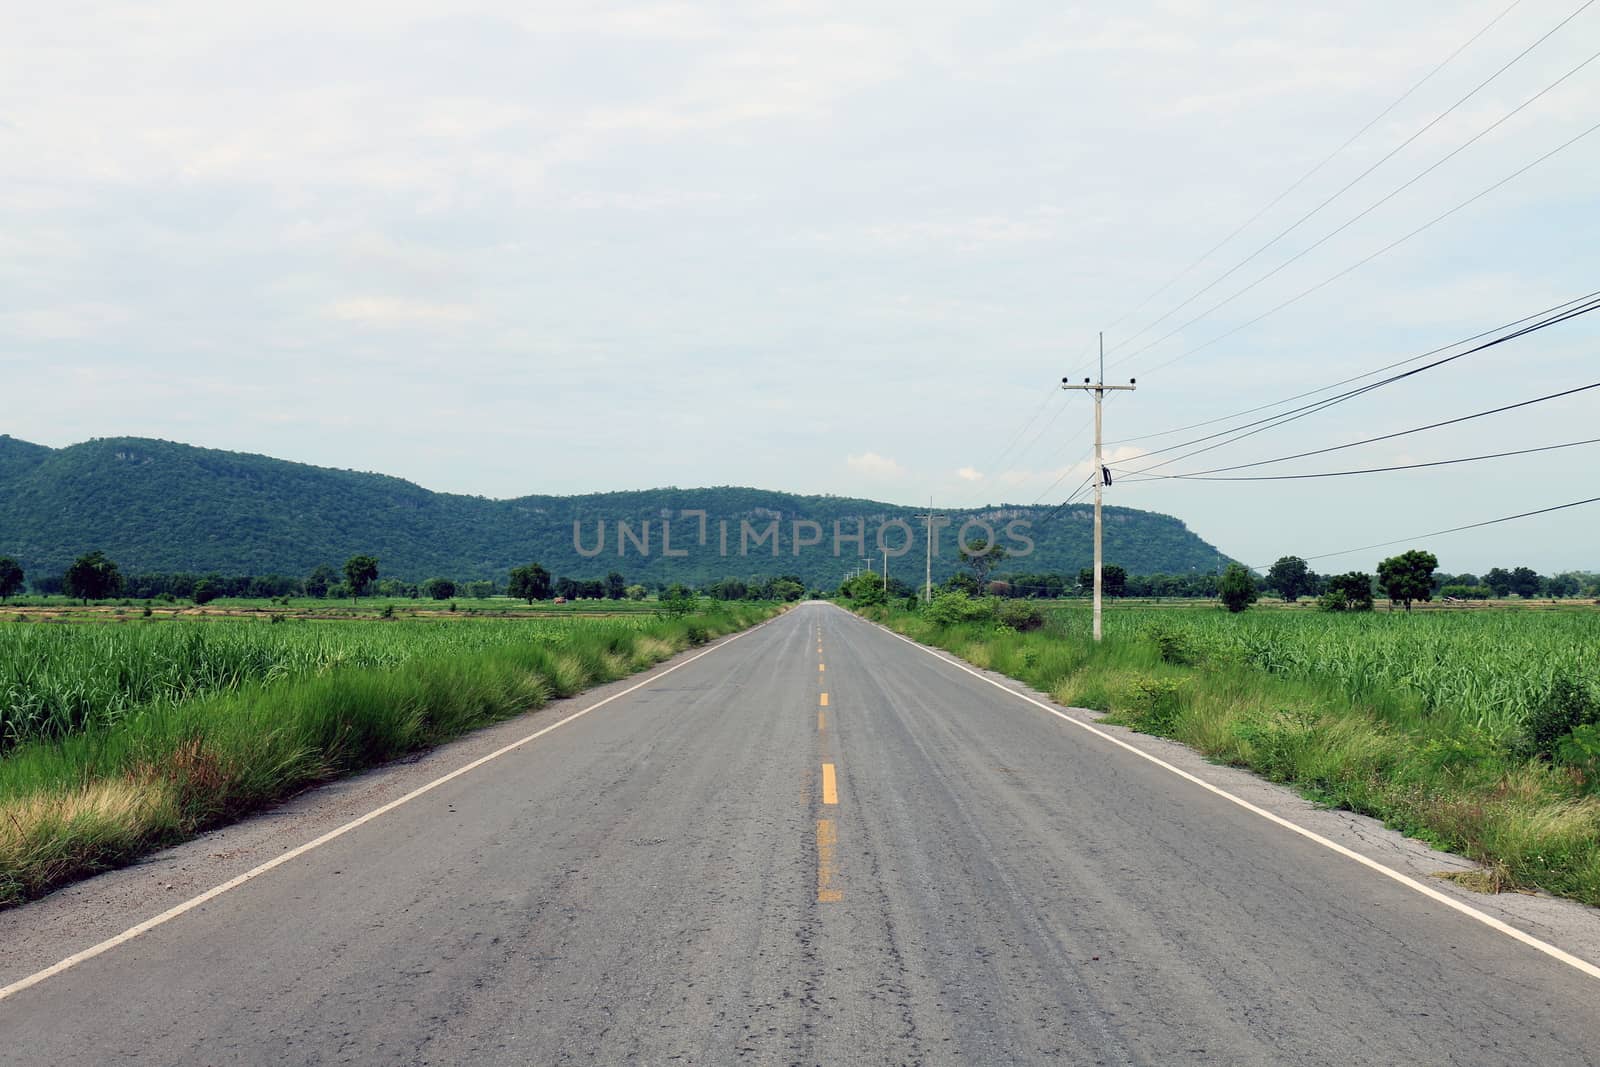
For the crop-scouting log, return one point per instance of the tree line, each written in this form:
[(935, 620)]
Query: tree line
[(93, 576)]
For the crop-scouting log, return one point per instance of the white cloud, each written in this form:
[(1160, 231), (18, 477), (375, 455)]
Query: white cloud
[(388, 311), (873, 465), (821, 221)]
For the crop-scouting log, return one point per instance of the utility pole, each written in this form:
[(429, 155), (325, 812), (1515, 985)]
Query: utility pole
[(1101, 476), (927, 580), (886, 573)]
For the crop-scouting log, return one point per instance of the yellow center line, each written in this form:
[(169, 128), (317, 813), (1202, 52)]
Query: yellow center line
[(822, 720), (822, 667), (824, 700), (830, 785), (827, 839)]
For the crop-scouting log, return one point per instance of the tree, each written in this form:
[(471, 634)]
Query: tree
[(636, 592), (1237, 588), (864, 589), (360, 572), (1348, 592), (205, 591), (981, 556), (530, 583), (92, 577), (1113, 580), (1291, 578), (1559, 585), (1498, 579), (10, 578), (785, 589), (320, 581), (963, 583), (678, 599), (616, 586), (1408, 576), (439, 588), (1525, 582)]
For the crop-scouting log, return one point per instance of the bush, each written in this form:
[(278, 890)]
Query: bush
[(1174, 645), (1566, 707), (1581, 749), (1020, 615), (1237, 588), (948, 609), (1152, 704)]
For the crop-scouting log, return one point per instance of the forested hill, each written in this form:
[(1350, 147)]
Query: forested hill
[(156, 506)]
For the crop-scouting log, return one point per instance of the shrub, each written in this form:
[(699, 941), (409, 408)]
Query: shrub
[(948, 609), (1020, 615), (1237, 588), (1152, 704), (1174, 645), (1567, 706), (1581, 749)]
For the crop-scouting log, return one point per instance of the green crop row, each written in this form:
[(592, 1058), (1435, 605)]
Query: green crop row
[(185, 726)]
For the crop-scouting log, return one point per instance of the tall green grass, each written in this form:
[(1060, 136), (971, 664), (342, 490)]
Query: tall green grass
[(1422, 721), (56, 680), (199, 723)]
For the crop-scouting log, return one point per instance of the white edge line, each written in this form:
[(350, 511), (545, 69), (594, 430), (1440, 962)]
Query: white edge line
[(300, 850), (1406, 880)]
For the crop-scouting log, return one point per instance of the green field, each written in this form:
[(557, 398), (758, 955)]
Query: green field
[(1476, 730), (57, 680), (116, 739)]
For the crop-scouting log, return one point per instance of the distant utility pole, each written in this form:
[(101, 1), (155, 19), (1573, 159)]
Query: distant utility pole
[(927, 580), (1102, 477), (886, 573)]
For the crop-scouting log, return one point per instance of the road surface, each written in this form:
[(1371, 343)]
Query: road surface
[(815, 844)]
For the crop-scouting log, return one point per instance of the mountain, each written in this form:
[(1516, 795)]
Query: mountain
[(158, 506)]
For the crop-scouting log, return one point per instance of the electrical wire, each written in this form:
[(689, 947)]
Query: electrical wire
[(1142, 476), (1385, 249), (1319, 242), (1275, 201), (1367, 470), (1345, 188), (1355, 378), (1453, 529), (1294, 414), (1024, 427)]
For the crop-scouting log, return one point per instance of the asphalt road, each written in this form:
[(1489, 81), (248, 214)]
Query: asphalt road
[(716, 868)]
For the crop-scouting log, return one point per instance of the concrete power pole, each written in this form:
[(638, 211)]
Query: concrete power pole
[(927, 579), (1101, 476)]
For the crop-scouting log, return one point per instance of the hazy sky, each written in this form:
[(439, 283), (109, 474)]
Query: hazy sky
[(823, 247)]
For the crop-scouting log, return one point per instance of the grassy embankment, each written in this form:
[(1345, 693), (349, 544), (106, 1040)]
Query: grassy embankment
[(118, 740), (1455, 728)]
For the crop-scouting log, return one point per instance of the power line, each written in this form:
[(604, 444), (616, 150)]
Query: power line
[(1319, 242), (1313, 171), (1023, 428), (1381, 437), (1355, 378), (1453, 529), (1367, 470), (1340, 192), (1294, 414), (1386, 248)]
